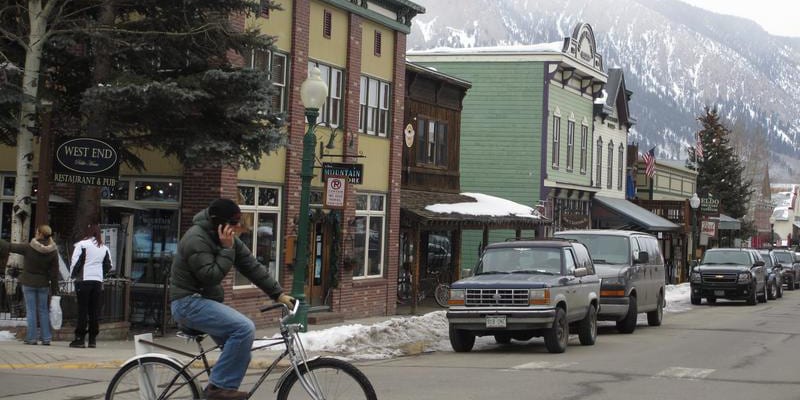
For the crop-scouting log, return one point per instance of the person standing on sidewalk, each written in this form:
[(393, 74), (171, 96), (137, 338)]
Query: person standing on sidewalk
[(206, 254), (39, 279), (91, 260)]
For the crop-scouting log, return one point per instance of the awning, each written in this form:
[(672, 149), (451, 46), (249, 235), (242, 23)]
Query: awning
[(727, 223), (54, 199), (636, 214), (130, 205), (414, 206)]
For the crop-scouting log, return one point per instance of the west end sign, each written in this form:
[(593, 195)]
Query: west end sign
[(86, 161)]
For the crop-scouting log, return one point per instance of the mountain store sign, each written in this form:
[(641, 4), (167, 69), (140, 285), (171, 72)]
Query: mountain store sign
[(353, 172), (86, 161)]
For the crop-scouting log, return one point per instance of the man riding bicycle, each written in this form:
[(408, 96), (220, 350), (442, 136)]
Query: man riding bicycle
[(206, 253)]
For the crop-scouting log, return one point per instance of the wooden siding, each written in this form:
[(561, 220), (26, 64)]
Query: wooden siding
[(570, 103), (500, 134), (610, 129)]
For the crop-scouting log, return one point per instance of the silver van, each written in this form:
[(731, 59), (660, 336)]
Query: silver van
[(633, 275)]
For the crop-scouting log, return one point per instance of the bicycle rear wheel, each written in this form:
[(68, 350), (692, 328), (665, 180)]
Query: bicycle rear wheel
[(337, 379), (134, 379), (442, 294)]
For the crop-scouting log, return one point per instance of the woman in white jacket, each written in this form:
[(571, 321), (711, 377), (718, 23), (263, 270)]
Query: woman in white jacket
[(91, 260)]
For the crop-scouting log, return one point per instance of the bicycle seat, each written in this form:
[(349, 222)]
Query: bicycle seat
[(190, 334)]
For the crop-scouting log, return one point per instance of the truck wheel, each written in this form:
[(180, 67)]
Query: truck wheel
[(461, 340), (628, 324), (556, 338), (772, 291), (752, 299), (587, 329), (654, 317), (696, 300), (790, 283)]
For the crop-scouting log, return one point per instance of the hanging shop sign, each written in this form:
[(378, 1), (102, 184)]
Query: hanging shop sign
[(709, 206), (86, 161), (408, 133), (709, 228), (353, 172)]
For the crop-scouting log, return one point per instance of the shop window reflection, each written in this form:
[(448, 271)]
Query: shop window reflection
[(157, 191), (155, 240)]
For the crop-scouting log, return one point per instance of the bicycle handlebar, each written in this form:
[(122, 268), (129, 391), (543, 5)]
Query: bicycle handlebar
[(291, 311)]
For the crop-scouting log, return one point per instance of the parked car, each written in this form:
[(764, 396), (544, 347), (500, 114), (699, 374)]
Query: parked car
[(737, 274), (633, 275), (527, 288), (791, 267), (774, 275)]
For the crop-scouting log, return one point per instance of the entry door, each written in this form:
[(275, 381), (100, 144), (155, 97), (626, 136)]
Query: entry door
[(317, 276)]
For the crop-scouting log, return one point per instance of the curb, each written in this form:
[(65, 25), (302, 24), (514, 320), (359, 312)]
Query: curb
[(115, 364)]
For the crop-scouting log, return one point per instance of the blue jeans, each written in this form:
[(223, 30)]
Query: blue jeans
[(226, 326), (36, 307)]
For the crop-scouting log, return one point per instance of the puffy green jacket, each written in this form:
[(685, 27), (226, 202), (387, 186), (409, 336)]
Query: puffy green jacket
[(201, 263), (40, 262)]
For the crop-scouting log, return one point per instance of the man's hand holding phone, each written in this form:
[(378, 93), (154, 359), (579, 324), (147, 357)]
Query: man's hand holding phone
[(226, 234)]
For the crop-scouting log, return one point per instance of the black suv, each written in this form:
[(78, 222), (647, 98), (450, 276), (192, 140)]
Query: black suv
[(527, 288), (774, 275), (737, 274), (791, 267)]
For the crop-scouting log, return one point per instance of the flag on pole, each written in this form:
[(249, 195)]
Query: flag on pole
[(650, 162), (698, 147)]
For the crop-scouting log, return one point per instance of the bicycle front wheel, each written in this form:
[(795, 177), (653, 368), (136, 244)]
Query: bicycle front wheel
[(442, 294), (335, 379), (148, 378)]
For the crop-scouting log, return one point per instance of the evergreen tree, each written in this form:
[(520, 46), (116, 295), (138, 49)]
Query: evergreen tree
[(719, 170), (158, 75)]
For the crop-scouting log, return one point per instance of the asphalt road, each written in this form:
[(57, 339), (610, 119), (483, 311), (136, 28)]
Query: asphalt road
[(727, 351)]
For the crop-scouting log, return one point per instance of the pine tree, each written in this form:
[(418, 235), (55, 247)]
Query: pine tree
[(720, 172)]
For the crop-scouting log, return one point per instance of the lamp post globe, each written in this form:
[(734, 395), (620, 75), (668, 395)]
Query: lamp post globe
[(694, 201), (313, 93)]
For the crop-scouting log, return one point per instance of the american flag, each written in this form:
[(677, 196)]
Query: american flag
[(649, 159), (698, 147)]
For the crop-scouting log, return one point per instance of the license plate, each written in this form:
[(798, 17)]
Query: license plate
[(496, 321), (719, 293)]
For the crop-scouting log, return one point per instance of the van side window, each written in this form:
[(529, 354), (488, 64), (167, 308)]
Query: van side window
[(584, 260), (653, 250), (635, 248), (569, 261)]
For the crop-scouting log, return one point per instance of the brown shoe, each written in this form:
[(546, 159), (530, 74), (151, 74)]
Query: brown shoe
[(215, 393)]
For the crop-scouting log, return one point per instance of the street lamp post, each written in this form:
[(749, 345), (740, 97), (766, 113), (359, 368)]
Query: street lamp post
[(771, 231), (313, 92), (694, 202)]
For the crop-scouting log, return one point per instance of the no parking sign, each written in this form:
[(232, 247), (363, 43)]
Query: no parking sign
[(334, 192)]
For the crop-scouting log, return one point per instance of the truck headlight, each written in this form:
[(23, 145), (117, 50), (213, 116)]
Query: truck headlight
[(695, 277), (456, 297), (539, 296), (745, 277)]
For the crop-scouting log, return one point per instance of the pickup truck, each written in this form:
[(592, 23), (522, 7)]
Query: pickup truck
[(523, 289)]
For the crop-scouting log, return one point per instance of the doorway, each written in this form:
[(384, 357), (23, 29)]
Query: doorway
[(317, 282)]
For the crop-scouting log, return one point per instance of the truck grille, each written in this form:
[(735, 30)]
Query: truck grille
[(720, 278), (496, 297)]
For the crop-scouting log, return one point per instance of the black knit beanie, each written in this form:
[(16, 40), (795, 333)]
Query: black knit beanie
[(224, 211)]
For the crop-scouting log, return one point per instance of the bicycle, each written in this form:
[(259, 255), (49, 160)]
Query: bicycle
[(154, 376), (439, 285)]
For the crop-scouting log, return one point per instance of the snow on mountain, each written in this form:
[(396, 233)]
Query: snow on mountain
[(677, 59)]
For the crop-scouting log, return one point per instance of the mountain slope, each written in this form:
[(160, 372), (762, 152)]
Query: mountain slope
[(677, 59)]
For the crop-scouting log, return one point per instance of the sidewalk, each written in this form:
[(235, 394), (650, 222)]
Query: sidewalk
[(113, 353)]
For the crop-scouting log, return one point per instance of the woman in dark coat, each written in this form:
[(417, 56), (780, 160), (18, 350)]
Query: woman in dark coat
[(39, 279)]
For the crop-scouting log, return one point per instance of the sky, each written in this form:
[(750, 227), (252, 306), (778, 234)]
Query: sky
[(404, 335), (778, 17)]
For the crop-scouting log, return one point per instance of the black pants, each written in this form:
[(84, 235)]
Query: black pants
[(89, 297)]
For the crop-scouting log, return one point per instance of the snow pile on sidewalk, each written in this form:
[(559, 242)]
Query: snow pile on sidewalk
[(6, 336), (678, 298)]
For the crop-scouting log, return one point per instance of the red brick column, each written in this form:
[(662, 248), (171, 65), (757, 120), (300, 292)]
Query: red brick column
[(301, 13), (395, 169), (201, 186)]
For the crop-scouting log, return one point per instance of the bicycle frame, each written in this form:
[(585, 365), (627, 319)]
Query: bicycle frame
[(294, 350)]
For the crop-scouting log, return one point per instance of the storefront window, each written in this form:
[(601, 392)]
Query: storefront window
[(119, 192), (368, 235), (261, 227), (157, 191), (155, 240)]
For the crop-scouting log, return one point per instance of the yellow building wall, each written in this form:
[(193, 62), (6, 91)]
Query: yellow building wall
[(379, 67), (376, 163), (331, 50), (272, 169), (8, 158), (279, 24), (156, 164)]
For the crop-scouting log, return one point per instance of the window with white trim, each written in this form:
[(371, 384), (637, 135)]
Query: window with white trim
[(556, 140), (620, 165), (331, 112), (261, 212), (584, 150), (276, 64), (374, 102), (368, 235), (599, 163), (570, 145), (610, 166)]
